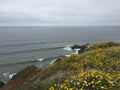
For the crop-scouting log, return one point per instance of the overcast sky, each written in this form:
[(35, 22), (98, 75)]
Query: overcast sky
[(59, 12)]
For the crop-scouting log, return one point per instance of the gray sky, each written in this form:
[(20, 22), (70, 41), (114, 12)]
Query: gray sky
[(59, 12)]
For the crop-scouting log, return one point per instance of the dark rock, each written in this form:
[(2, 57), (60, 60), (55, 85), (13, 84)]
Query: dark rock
[(81, 47), (1, 84), (80, 51), (75, 47)]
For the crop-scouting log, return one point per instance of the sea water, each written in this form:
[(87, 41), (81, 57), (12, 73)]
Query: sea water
[(21, 46)]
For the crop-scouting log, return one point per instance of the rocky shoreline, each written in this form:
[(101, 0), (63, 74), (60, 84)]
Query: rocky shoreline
[(63, 69), (79, 48)]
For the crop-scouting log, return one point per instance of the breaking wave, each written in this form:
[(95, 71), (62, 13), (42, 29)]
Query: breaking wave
[(67, 48)]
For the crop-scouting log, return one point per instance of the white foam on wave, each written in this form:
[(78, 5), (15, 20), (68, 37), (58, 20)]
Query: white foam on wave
[(68, 55), (41, 59), (67, 48), (53, 61), (76, 51), (11, 75), (6, 74)]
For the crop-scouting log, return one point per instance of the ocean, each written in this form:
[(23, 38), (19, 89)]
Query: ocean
[(22, 46)]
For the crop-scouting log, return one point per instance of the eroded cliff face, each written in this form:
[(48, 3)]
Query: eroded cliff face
[(26, 75)]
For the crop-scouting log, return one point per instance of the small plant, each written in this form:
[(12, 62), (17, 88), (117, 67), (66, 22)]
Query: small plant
[(104, 45), (74, 57), (97, 68), (30, 69), (87, 80)]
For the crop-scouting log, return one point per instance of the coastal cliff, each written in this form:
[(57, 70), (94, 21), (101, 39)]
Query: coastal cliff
[(95, 68)]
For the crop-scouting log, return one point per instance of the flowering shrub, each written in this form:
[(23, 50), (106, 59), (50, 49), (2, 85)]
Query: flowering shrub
[(97, 68), (75, 66), (87, 80), (74, 57), (104, 45), (100, 59)]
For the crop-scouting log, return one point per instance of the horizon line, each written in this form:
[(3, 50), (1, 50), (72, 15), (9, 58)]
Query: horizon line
[(68, 26)]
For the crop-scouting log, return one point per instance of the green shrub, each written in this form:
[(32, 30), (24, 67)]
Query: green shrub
[(30, 69), (88, 80), (104, 45), (97, 68)]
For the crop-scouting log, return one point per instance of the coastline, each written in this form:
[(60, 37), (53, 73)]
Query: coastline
[(70, 66)]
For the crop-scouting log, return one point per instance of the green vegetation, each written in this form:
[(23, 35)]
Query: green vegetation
[(97, 68), (104, 45), (25, 72), (88, 80)]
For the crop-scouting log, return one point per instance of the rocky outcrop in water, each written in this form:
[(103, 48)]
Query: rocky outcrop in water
[(1, 84), (80, 47)]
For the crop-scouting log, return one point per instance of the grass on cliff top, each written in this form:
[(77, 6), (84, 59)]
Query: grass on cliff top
[(29, 70), (97, 68), (104, 45)]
